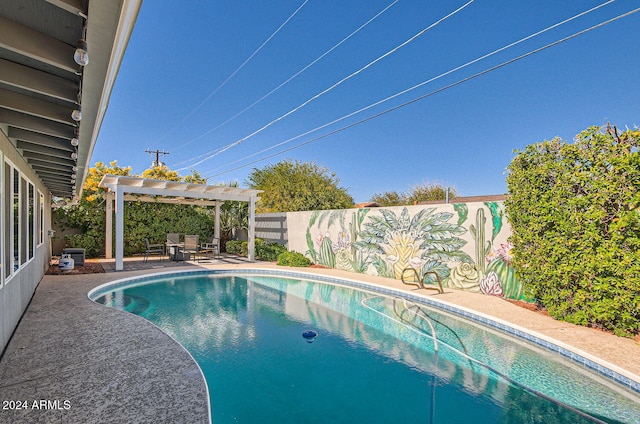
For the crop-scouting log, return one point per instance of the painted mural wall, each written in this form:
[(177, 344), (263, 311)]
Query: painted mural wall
[(466, 244)]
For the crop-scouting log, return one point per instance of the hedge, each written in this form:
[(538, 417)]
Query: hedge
[(574, 211)]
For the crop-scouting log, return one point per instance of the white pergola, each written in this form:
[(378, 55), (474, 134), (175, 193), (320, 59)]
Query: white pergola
[(121, 188)]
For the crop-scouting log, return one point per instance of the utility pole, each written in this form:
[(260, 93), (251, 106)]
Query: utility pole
[(157, 153)]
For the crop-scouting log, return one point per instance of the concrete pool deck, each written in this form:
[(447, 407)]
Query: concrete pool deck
[(93, 364)]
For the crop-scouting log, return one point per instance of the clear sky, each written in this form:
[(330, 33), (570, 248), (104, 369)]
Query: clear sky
[(193, 72)]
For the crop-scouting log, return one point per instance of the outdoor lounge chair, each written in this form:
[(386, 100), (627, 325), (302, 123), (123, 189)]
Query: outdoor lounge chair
[(211, 247), (191, 246), (153, 249), (173, 238)]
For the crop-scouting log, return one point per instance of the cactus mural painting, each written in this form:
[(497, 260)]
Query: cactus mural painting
[(459, 242)]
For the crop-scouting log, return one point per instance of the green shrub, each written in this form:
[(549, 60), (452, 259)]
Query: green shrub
[(293, 259), (269, 251), (574, 213), (237, 247), (92, 245), (265, 251)]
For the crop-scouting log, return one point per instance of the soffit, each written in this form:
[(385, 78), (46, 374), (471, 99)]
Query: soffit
[(40, 83)]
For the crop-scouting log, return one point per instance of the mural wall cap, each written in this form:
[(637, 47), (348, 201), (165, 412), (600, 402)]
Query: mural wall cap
[(366, 205), (468, 199)]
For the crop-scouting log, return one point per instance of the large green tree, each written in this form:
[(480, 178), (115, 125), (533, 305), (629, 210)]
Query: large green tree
[(425, 192), (298, 186), (574, 209)]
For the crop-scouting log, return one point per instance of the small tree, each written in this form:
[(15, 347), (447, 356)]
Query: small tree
[(420, 193), (390, 198), (428, 192), (298, 186), (576, 227), (90, 187), (161, 172), (88, 215), (195, 178)]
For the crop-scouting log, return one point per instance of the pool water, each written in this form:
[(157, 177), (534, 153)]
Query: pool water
[(374, 360)]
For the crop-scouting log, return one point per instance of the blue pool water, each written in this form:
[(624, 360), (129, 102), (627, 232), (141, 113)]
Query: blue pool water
[(374, 358)]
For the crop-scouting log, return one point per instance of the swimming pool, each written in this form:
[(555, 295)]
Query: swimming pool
[(374, 360)]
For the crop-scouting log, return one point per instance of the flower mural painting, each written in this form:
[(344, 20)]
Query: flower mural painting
[(341, 253), (390, 240), (423, 242), (465, 276), (499, 263), (491, 284)]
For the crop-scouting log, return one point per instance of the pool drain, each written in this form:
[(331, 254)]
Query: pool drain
[(309, 335)]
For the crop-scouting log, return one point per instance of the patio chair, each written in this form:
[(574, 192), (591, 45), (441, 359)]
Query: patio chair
[(173, 238), (191, 246), (153, 249), (211, 247)]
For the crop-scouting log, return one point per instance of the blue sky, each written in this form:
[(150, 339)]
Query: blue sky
[(174, 90)]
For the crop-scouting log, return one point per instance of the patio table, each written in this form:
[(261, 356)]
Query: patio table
[(174, 252)]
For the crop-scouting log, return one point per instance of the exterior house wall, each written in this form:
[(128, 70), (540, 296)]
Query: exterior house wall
[(17, 289), (466, 244)]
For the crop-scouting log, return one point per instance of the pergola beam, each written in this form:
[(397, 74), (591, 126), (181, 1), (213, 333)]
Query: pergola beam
[(171, 200)]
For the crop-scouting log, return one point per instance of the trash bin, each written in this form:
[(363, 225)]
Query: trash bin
[(76, 253)]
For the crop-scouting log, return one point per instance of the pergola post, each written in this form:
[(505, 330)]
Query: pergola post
[(251, 245), (119, 228), (108, 237), (216, 222)]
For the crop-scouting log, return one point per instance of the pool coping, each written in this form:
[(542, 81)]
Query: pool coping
[(609, 371)]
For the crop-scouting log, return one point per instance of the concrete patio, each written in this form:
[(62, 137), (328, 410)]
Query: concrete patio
[(91, 364)]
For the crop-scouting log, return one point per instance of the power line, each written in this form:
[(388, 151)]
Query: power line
[(235, 143), (234, 72), (422, 83), (293, 76), (486, 71)]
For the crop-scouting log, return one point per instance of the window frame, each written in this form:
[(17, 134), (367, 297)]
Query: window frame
[(18, 220)]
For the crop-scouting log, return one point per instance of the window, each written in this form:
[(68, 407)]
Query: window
[(31, 221), (40, 218), (20, 223), (23, 236), (8, 208), (3, 201), (15, 219)]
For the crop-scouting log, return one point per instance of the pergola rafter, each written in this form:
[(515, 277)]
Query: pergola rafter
[(121, 188)]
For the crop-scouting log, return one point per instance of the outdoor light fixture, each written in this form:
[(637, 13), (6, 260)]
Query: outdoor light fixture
[(81, 56), (74, 168), (75, 142), (76, 115), (74, 155)]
